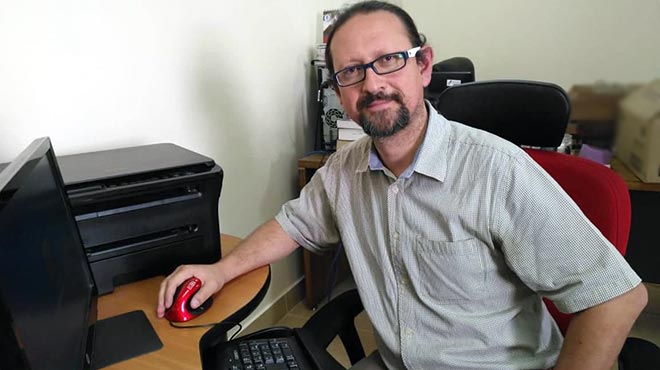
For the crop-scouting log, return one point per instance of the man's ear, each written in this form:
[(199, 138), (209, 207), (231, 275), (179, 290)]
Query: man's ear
[(335, 88), (425, 62)]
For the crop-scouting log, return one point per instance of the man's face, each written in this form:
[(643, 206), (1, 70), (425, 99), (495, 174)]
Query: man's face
[(381, 104)]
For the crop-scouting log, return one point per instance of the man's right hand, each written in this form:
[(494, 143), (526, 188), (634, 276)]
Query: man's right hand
[(210, 275)]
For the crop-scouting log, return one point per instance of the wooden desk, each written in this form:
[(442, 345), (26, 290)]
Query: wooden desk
[(180, 346), (633, 182)]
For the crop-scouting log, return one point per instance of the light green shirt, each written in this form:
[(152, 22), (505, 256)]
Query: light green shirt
[(451, 261)]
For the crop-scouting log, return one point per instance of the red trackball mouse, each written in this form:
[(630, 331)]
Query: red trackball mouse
[(180, 309)]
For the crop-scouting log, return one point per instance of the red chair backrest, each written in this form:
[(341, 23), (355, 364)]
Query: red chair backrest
[(601, 194)]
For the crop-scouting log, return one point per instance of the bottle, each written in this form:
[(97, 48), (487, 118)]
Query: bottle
[(565, 146)]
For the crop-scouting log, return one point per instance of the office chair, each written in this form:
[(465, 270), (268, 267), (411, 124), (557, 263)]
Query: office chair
[(447, 73), (535, 114), (335, 319)]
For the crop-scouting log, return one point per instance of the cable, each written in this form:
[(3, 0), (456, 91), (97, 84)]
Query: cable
[(240, 327)]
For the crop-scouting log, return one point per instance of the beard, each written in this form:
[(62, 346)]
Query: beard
[(383, 123)]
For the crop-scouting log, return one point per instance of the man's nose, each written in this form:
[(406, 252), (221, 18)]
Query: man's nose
[(372, 81)]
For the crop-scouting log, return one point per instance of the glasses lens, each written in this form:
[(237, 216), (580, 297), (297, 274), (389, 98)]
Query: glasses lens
[(350, 75), (390, 63)]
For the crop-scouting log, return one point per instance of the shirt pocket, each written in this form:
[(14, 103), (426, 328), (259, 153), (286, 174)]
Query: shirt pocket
[(450, 272)]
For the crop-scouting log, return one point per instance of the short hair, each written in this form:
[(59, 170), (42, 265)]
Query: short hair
[(366, 7)]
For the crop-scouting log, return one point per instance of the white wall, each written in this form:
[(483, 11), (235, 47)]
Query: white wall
[(562, 41), (228, 79)]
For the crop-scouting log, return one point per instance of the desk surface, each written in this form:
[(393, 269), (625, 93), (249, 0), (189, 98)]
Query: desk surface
[(633, 182), (180, 346), (313, 161)]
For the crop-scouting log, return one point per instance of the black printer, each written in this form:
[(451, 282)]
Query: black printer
[(144, 210)]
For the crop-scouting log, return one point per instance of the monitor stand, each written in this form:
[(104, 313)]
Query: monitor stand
[(123, 337)]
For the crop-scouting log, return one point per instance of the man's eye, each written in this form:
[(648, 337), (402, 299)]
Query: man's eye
[(389, 60), (349, 71)]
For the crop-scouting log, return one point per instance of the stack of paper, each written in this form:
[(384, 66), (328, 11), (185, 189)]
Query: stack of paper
[(347, 131)]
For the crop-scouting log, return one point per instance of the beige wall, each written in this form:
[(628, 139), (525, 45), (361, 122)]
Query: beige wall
[(562, 41)]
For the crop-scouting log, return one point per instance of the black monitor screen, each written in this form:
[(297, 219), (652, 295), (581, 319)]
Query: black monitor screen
[(47, 295)]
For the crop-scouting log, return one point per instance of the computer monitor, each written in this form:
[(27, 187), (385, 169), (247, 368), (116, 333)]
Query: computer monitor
[(47, 297), (47, 291)]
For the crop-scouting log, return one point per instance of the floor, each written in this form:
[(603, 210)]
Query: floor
[(647, 326)]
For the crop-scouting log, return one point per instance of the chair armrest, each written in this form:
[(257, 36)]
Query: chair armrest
[(337, 318), (639, 354)]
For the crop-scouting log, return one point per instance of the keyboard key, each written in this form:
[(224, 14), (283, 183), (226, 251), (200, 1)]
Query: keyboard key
[(261, 354)]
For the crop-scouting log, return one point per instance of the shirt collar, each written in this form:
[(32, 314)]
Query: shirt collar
[(430, 158), (432, 154)]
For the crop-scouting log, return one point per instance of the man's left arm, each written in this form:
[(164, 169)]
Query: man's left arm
[(595, 336)]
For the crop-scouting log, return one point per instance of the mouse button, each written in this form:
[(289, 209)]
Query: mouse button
[(177, 291), (187, 289)]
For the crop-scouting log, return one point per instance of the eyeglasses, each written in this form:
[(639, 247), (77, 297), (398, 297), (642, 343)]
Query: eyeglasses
[(382, 65)]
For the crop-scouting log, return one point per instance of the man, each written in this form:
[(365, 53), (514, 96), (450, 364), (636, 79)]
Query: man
[(442, 227)]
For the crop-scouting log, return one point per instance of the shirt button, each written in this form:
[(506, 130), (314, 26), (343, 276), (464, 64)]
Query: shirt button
[(395, 190), (396, 235)]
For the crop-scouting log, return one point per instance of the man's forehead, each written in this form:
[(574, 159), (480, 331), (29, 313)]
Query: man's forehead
[(377, 32)]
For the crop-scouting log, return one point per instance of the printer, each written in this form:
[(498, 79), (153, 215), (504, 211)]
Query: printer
[(142, 211)]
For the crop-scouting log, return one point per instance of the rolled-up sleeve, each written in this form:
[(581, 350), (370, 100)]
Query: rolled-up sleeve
[(309, 219), (549, 243)]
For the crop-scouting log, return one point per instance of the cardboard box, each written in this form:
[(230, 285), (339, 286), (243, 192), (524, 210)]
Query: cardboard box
[(598, 103), (595, 111), (638, 136)]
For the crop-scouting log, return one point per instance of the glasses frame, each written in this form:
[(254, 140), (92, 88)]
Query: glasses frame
[(406, 54)]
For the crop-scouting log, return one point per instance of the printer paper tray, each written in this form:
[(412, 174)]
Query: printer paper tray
[(142, 242)]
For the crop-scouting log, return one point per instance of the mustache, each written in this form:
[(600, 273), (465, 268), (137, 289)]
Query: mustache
[(369, 98)]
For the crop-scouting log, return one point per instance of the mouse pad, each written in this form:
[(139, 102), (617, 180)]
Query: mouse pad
[(122, 337)]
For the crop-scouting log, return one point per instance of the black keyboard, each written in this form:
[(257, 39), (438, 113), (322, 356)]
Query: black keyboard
[(264, 354)]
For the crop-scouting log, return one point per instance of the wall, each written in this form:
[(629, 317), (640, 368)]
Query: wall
[(228, 79), (562, 41)]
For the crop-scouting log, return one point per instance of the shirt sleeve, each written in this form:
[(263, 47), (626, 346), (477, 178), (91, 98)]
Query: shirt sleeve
[(551, 245), (309, 219)]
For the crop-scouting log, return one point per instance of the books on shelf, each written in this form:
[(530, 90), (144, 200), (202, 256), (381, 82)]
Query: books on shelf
[(348, 123), (350, 134), (348, 131)]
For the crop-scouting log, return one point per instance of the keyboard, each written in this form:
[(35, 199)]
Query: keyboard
[(280, 353)]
